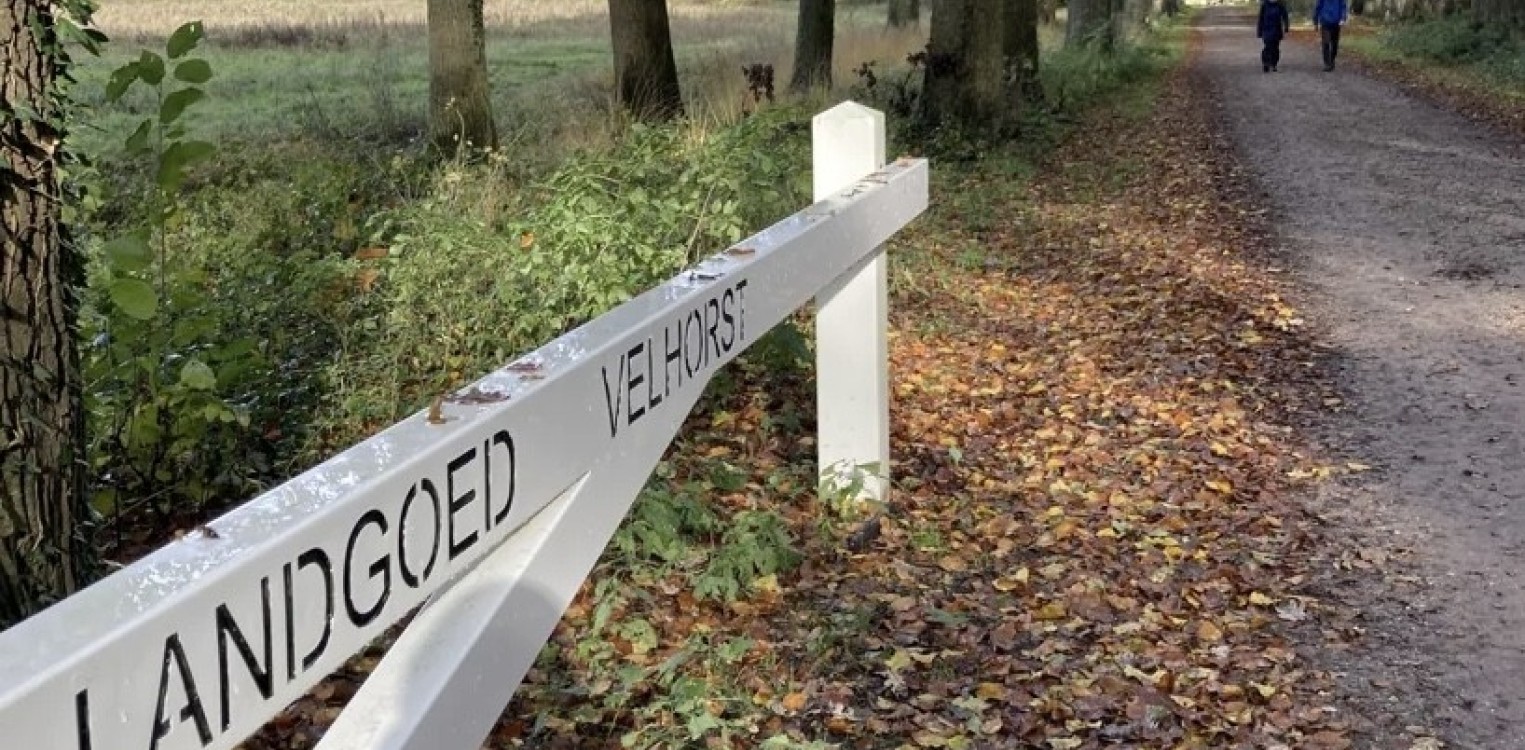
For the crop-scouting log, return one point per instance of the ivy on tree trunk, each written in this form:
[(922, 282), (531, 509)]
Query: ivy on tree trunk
[(43, 556)]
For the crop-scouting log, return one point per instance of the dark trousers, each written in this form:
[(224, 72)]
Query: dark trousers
[(1329, 36), (1270, 56)]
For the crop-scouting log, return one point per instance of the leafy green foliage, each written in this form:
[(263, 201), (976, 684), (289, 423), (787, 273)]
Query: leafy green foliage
[(1453, 40), (1073, 78), (158, 422), (757, 543), (480, 254)]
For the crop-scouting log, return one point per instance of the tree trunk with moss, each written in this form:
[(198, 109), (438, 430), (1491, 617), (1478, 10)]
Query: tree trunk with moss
[(42, 555), (965, 70), (645, 73), (460, 108), (812, 45)]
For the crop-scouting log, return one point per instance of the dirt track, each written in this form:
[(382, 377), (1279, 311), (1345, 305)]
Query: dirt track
[(1407, 225)]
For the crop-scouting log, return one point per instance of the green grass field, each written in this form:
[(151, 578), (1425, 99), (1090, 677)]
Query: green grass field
[(305, 71)]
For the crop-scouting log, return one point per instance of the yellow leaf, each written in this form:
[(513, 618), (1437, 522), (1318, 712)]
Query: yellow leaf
[(1008, 583), (793, 702), (1050, 611), (1206, 631), (1261, 600), (991, 691), (952, 564), (1357, 467), (767, 584), (898, 660), (1265, 691), (1219, 485)]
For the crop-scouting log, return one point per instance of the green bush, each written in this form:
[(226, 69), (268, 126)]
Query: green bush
[(1074, 78), (208, 305), (482, 269), (1452, 40)]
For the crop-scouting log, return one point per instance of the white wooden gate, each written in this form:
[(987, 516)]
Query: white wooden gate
[(493, 514)]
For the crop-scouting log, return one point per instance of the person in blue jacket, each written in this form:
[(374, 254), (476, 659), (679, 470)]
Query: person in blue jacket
[(1273, 25), (1329, 16)]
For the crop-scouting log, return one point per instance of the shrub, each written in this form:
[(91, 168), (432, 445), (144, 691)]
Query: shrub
[(482, 270), (1452, 40)]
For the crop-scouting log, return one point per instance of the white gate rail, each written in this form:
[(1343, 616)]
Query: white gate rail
[(495, 514)]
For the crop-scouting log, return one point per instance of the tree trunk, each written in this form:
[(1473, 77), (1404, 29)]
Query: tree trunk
[(1019, 46), (904, 13), (1507, 13), (646, 76), (965, 72), (460, 110), (812, 45), (1136, 14), (1090, 22), (42, 558)]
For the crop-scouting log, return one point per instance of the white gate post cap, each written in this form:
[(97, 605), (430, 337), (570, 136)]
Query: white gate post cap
[(849, 144)]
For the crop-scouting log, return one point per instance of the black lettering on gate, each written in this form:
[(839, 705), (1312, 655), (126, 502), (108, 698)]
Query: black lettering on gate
[(382, 567), (652, 397), (614, 397), (726, 300), (457, 503), (82, 719), (671, 354), (503, 438), (741, 308), (693, 323), (711, 324), (631, 415), (315, 556), (263, 676), (406, 570), (175, 653)]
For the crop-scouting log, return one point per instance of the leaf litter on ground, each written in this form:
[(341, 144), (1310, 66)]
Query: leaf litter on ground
[(1093, 539)]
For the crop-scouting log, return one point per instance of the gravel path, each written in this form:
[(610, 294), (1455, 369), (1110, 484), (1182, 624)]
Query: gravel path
[(1408, 226)]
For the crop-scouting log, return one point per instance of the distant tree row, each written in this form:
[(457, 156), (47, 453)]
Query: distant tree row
[(980, 65)]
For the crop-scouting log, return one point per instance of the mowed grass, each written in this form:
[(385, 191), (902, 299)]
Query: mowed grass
[(359, 70)]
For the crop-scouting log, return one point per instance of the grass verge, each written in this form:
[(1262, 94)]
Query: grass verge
[(1472, 70)]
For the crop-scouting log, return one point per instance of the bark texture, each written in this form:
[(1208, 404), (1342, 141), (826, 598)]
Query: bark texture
[(812, 45), (1507, 13), (460, 108), (904, 13), (646, 76), (965, 70), (1019, 45), (1090, 22), (42, 559)]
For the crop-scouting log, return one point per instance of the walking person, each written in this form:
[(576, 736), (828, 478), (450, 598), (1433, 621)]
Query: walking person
[(1272, 27), (1329, 16)]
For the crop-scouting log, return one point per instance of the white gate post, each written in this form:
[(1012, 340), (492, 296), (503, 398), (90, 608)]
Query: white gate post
[(852, 356)]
